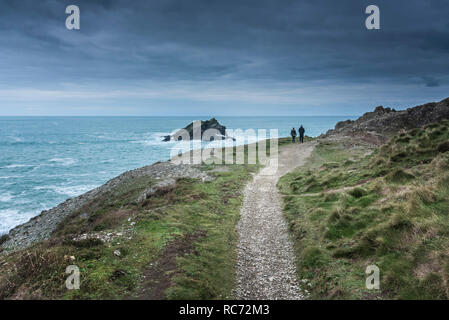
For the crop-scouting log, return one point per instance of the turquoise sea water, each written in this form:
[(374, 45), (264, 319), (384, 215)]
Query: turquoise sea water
[(45, 160)]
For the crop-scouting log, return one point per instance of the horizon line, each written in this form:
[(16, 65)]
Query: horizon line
[(171, 116)]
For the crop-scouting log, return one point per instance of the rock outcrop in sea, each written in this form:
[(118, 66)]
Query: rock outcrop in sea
[(218, 131)]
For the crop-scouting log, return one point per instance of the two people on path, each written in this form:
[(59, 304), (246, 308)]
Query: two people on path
[(301, 131)]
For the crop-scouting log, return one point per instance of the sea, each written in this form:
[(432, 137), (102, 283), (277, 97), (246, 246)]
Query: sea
[(46, 160)]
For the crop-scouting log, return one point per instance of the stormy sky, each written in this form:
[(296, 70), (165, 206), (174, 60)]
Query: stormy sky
[(227, 57)]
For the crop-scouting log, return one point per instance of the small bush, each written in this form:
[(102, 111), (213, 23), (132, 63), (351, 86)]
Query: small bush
[(405, 139), (443, 147), (381, 172), (400, 221), (425, 194), (358, 192), (295, 186), (367, 245), (312, 257), (441, 162), (398, 156), (313, 187), (330, 197), (100, 227), (37, 264), (334, 216), (399, 176), (436, 134)]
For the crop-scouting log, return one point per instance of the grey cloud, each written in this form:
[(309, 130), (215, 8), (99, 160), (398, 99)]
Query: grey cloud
[(122, 44), (431, 82)]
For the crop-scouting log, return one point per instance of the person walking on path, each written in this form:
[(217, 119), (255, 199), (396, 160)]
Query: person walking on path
[(293, 134), (301, 131)]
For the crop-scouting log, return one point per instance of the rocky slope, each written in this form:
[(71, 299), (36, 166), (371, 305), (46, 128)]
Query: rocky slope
[(377, 125), (163, 174)]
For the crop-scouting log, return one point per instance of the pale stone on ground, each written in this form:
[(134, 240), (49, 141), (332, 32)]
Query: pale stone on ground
[(266, 262)]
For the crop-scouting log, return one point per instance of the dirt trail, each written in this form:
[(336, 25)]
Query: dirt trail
[(266, 262)]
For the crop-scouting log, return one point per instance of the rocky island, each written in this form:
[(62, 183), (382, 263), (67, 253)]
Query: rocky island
[(190, 130)]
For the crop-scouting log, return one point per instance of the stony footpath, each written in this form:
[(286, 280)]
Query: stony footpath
[(266, 266)]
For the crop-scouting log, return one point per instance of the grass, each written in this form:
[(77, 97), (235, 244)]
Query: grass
[(351, 206), (151, 238)]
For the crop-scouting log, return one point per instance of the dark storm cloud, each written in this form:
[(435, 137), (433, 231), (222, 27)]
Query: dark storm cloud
[(189, 45), (431, 82)]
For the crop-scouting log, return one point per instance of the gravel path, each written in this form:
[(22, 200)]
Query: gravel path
[(266, 262)]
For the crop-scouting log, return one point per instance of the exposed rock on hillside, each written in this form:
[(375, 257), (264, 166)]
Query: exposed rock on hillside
[(383, 121), (193, 131), (42, 226)]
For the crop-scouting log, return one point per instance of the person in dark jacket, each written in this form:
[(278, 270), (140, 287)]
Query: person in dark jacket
[(301, 131), (293, 134)]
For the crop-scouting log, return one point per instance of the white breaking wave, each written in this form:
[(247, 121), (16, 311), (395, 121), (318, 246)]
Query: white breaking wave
[(15, 139), (154, 139), (64, 161), (11, 177), (10, 218), (11, 166), (6, 197)]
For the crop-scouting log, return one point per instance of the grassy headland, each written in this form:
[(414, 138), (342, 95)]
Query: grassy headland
[(353, 205)]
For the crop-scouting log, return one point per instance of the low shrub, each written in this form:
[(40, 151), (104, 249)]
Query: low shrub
[(399, 176), (443, 147), (358, 192)]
